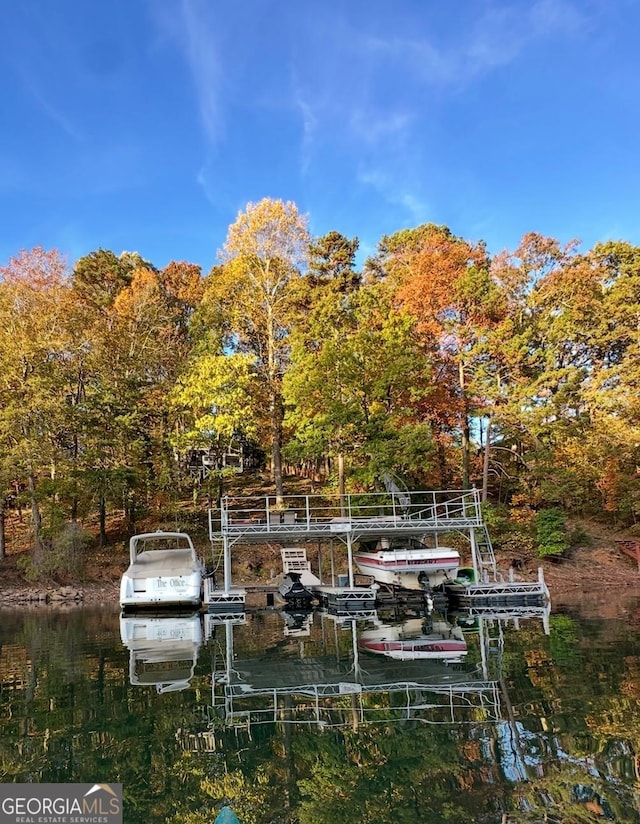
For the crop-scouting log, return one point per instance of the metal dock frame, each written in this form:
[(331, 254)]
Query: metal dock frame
[(341, 600), (227, 600), (351, 518), (493, 593)]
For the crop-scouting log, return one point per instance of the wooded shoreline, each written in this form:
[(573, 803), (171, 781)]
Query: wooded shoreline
[(599, 573), (127, 388)]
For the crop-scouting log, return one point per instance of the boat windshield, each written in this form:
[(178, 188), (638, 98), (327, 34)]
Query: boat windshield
[(393, 544)]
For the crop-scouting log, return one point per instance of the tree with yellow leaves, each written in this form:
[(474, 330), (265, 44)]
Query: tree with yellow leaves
[(264, 254)]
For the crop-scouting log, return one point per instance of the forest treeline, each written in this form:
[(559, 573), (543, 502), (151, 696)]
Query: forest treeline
[(435, 363)]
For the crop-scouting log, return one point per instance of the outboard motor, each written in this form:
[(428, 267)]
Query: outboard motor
[(294, 592)]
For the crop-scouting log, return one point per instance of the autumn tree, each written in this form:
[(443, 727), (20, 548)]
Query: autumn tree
[(264, 254), (444, 281), (543, 357), (139, 336), (612, 389), (357, 373), (148, 343), (41, 370), (99, 276)]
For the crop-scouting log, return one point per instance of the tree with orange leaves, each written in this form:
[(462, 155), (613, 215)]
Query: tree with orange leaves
[(444, 281)]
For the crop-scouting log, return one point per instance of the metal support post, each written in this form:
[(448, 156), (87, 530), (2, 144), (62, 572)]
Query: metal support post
[(350, 559), (227, 563), (474, 554)]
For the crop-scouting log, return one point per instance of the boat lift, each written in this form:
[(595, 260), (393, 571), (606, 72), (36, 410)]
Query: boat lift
[(295, 519)]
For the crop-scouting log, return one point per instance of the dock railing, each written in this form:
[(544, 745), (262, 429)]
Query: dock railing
[(316, 515)]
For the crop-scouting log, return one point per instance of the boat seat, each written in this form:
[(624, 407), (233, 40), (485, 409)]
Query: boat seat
[(295, 560)]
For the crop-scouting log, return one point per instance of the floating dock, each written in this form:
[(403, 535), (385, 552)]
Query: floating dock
[(344, 600), (223, 600), (491, 593)]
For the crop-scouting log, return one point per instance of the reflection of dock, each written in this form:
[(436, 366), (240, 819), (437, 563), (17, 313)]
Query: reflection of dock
[(351, 703), (330, 684)]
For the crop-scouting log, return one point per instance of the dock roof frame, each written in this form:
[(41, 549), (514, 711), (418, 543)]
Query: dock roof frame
[(312, 517)]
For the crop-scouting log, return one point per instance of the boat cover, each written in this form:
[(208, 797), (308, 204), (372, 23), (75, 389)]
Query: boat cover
[(157, 563)]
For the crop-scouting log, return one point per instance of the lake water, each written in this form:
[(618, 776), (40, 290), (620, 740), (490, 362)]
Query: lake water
[(315, 719)]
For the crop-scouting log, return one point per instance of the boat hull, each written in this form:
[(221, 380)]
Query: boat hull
[(411, 568), (171, 591)]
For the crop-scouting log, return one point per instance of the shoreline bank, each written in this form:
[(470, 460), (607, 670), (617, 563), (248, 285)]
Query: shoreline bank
[(595, 572)]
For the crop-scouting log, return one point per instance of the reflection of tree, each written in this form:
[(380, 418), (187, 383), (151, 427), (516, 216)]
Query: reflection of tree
[(68, 714), (255, 799), (568, 749), (579, 720), (570, 795), (381, 773), (543, 762)]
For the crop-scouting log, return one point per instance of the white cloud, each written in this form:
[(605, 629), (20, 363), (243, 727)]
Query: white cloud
[(309, 125), (374, 92), (201, 51), (558, 16), (504, 32), (191, 26), (396, 192), (54, 113), (372, 125), (492, 39)]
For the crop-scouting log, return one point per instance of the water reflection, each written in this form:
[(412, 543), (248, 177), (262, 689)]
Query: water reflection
[(338, 670), (163, 649), (427, 637), (290, 718), (409, 666), (297, 622)]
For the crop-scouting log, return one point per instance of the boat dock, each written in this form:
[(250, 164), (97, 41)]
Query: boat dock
[(296, 520), (345, 600), (223, 600), (490, 593)]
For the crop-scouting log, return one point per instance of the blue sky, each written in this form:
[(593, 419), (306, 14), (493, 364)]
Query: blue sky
[(147, 125)]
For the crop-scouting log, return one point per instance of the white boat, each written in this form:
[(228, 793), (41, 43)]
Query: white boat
[(164, 571), (163, 650), (407, 563), (414, 640)]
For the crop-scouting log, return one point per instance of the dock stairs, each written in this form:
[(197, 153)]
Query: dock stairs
[(485, 556), (490, 588)]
